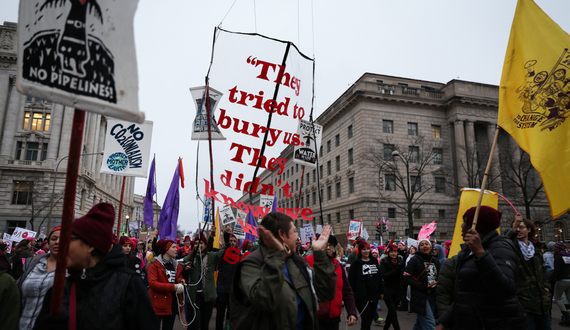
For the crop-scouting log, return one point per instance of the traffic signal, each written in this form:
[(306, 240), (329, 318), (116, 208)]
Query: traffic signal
[(384, 226), (378, 228)]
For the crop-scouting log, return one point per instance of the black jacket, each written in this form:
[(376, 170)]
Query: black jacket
[(109, 297), (392, 274), (419, 284), (485, 288), (356, 280)]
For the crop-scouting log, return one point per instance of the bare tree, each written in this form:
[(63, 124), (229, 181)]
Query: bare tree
[(473, 166), (520, 176), (406, 170), (38, 201)]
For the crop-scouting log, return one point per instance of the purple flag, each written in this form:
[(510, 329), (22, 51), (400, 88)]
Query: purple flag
[(274, 206), (169, 214), (250, 221), (150, 191)]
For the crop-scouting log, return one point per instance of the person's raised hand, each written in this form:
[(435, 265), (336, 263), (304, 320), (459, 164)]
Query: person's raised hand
[(518, 220), (321, 243), (269, 240)]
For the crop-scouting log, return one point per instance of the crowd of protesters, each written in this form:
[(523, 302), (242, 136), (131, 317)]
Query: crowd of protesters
[(494, 282)]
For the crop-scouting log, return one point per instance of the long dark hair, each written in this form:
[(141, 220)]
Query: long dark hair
[(22, 245)]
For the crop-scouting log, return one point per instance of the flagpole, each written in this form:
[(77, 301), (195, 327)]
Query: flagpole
[(68, 209), (155, 191), (120, 210), (300, 189), (484, 183)]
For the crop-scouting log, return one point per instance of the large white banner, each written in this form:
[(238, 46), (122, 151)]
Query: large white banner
[(81, 54), (310, 136), (127, 148)]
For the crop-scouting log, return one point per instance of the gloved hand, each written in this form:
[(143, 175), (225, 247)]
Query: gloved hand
[(179, 288)]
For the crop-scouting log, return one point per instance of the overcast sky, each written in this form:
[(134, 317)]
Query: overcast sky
[(428, 40)]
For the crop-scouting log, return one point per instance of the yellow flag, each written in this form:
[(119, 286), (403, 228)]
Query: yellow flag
[(469, 198), (534, 98)]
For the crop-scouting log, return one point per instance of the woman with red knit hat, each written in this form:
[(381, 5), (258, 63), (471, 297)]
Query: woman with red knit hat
[(165, 282), (132, 262), (100, 293), (392, 271), (365, 277)]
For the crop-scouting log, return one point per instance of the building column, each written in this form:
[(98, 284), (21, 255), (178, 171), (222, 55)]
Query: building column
[(11, 120), (55, 131), (460, 160), (471, 151), (4, 96), (100, 147), (495, 175), (67, 124), (90, 139)]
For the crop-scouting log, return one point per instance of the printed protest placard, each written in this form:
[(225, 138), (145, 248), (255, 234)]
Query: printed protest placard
[(127, 148), (22, 233), (80, 54), (208, 212), (309, 231), (365, 234), (8, 241), (200, 126), (227, 215), (310, 135), (266, 201), (354, 229)]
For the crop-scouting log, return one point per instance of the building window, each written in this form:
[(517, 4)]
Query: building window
[(441, 214), (437, 156), (328, 218), (22, 192), (36, 121), (297, 168), (417, 214), (440, 185), (436, 131), (390, 182), (329, 146), (415, 183), (350, 157), (296, 184), (82, 201), (391, 213), (302, 204), (350, 214), (13, 224), (329, 167), (559, 232), (337, 163), (388, 150), (414, 154), (308, 200), (315, 175), (308, 178), (388, 126), (337, 140), (320, 175), (350, 131), (314, 198), (31, 150), (413, 129), (338, 190), (338, 217), (329, 193), (350, 185)]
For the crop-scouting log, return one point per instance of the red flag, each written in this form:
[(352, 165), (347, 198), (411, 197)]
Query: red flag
[(181, 174)]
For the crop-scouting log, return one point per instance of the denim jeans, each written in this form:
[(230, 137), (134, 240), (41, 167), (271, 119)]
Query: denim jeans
[(426, 322)]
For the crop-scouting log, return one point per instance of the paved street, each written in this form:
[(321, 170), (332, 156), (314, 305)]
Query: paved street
[(406, 320)]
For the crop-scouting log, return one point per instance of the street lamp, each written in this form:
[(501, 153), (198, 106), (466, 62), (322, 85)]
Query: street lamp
[(408, 193), (128, 229), (53, 188)]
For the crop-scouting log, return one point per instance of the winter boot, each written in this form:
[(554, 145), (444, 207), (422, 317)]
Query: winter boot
[(565, 319)]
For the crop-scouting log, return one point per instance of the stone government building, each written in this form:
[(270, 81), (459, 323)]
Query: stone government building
[(444, 131), (34, 139)]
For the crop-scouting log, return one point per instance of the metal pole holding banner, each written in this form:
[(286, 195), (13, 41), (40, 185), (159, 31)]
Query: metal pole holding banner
[(484, 183), (120, 210), (68, 208)]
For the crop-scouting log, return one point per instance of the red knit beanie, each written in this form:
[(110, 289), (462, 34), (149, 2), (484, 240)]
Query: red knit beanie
[(391, 247), (489, 219), (134, 243), (361, 245), (96, 227), (163, 245), (201, 237), (244, 245), (124, 240)]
